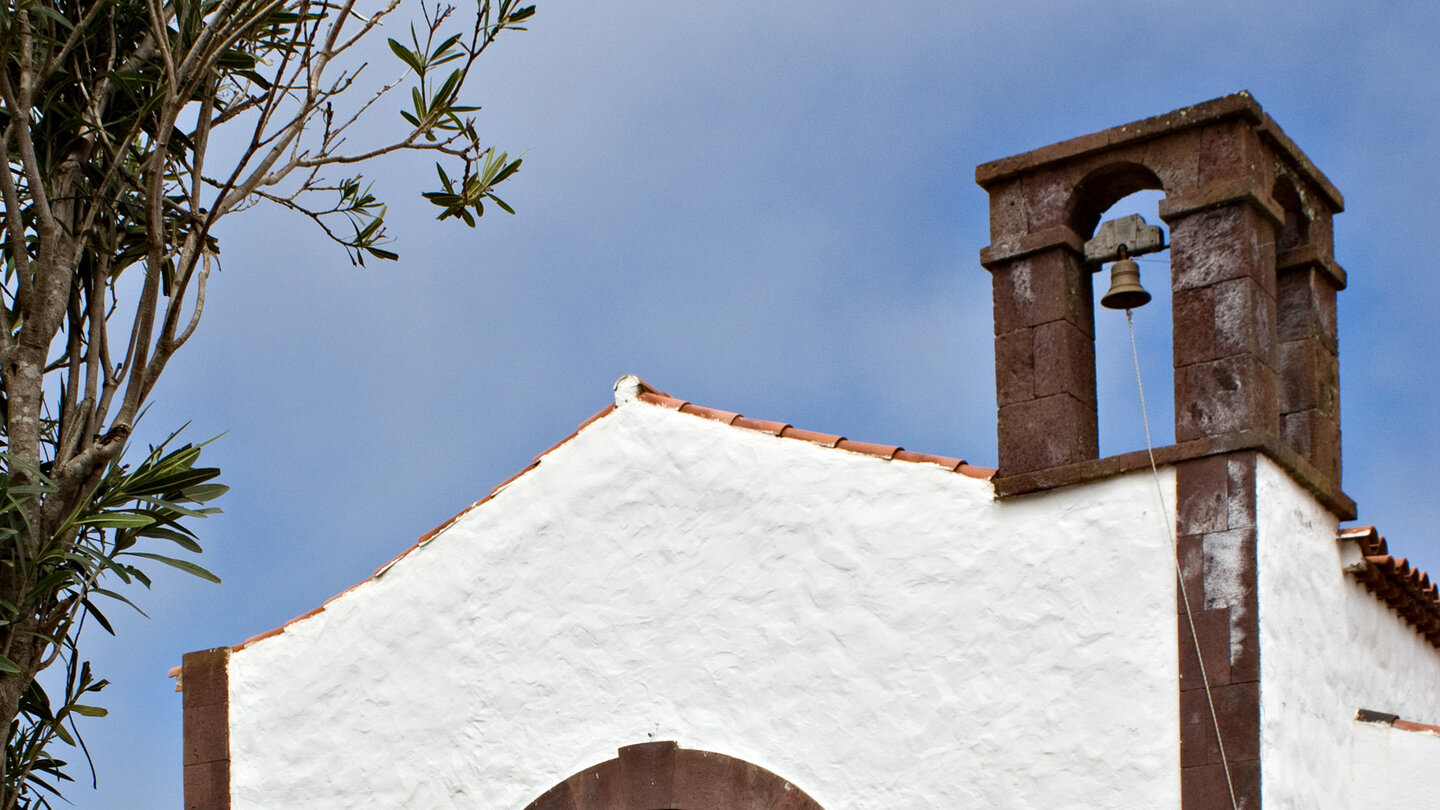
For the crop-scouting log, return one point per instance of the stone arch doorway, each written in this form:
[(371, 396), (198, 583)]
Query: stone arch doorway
[(664, 776)]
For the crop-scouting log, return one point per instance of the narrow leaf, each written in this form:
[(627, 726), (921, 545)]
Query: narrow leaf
[(183, 565)]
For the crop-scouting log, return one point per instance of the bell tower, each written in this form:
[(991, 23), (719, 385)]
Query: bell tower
[(1256, 371), (1253, 280)]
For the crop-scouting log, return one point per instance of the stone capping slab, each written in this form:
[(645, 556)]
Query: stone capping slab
[(1241, 190), (1311, 255), (1236, 105), (1028, 244), (1300, 469)]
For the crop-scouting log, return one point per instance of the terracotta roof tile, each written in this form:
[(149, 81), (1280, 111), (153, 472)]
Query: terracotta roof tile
[(728, 417), (663, 400), (814, 437), (773, 428), (885, 451), (926, 458), (650, 396), (1407, 591)]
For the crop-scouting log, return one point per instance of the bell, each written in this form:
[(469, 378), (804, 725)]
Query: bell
[(1125, 290)]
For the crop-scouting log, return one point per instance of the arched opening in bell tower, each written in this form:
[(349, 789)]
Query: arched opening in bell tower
[(1119, 417), (1109, 193)]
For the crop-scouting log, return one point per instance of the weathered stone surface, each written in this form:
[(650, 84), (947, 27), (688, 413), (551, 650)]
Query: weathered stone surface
[(1229, 395), (1044, 433)]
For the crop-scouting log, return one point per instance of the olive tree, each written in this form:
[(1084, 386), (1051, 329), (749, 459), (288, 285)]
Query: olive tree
[(128, 130)]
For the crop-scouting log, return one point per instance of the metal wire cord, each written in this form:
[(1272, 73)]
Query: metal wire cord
[(1179, 575)]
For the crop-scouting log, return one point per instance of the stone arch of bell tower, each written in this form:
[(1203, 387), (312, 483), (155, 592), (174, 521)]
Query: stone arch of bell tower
[(1253, 280)]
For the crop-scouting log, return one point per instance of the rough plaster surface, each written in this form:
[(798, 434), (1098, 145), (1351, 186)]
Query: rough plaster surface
[(1394, 768), (1329, 649), (882, 634)]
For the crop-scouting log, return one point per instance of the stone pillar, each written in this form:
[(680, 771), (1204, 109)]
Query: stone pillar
[(1045, 353), (1309, 356), (1222, 274)]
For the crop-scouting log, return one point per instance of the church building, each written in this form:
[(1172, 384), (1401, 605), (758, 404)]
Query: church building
[(682, 608)]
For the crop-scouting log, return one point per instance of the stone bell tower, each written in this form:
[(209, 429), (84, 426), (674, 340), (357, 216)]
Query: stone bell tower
[(1256, 370)]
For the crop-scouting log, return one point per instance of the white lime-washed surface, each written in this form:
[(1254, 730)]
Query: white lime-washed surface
[(882, 634), (1330, 648)]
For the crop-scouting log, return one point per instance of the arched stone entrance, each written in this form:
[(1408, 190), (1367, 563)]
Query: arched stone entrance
[(664, 776)]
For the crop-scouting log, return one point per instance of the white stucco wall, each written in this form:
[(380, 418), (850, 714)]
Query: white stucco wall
[(1329, 648), (882, 634), (1392, 767)]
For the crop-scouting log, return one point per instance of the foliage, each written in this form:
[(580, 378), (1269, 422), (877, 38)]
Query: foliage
[(128, 130)]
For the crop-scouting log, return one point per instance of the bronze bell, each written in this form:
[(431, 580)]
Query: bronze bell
[(1125, 290)]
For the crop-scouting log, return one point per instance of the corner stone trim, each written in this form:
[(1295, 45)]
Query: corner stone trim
[(663, 776), (205, 680)]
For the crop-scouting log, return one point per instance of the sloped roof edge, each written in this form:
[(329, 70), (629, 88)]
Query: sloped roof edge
[(1407, 591), (630, 389)]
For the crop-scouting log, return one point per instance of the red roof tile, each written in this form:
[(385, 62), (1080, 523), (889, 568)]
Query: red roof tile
[(1408, 591), (885, 451), (651, 396)]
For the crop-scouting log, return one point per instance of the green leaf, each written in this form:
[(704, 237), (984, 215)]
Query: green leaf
[(183, 565), (407, 56), (89, 711), (203, 493), (8, 667), (118, 520), (178, 535), (119, 597), (443, 47)]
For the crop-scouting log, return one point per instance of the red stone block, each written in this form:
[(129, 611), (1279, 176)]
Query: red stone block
[(1213, 628), (1202, 495), (1225, 396), (1240, 503), (1047, 199), (204, 677), (648, 774), (1219, 244), (1229, 151), (1008, 218), (1048, 286), (1191, 550), (1064, 362), (1045, 433), (1194, 326), (1015, 367), (207, 786)]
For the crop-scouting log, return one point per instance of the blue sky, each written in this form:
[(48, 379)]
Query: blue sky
[(764, 208)]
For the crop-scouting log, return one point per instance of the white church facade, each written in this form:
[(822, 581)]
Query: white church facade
[(681, 608)]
